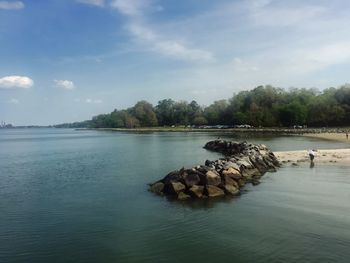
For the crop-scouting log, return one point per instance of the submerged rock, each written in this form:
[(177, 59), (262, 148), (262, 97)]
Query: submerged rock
[(243, 163), (157, 188), (232, 190), (182, 196)]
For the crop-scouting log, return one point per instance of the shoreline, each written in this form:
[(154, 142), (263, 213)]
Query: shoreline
[(312, 132)]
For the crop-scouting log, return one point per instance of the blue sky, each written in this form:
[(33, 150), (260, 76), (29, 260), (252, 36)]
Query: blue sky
[(67, 60)]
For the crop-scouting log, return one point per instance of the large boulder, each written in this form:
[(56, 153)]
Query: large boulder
[(230, 181), (233, 173), (231, 164), (191, 179), (197, 191), (213, 178), (231, 190), (213, 191), (248, 174), (174, 176), (174, 188)]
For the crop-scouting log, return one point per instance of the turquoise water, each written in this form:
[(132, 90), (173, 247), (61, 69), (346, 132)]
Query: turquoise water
[(81, 196)]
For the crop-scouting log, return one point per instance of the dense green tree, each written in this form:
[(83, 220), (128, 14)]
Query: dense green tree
[(263, 106), (145, 114), (165, 112), (217, 113), (181, 113)]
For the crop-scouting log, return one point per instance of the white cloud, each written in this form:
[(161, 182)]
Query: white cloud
[(131, 8), (156, 42), (94, 101), (170, 48), (11, 82), (178, 51), (65, 84), (99, 3), (15, 5), (13, 101)]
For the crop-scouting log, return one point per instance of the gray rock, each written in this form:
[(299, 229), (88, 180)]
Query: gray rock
[(174, 188), (173, 176), (191, 179)]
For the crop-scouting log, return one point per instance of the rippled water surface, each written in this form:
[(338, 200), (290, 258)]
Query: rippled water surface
[(81, 196)]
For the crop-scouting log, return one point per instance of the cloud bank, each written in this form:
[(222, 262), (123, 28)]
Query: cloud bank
[(15, 5), (13, 82)]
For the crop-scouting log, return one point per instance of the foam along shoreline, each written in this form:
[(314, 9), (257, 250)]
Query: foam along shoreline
[(331, 156)]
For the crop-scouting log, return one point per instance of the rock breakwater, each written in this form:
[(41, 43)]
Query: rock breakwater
[(242, 163)]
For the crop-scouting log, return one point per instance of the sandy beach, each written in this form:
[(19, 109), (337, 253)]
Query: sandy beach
[(334, 156), (340, 136), (326, 156)]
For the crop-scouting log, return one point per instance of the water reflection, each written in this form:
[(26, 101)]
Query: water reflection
[(208, 203), (312, 164)]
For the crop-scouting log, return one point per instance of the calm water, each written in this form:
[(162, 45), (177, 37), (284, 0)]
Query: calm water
[(81, 196)]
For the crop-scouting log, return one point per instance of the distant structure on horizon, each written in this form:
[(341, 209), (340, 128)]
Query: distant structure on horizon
[(4, 125)]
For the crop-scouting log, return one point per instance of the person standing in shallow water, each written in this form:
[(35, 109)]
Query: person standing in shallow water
[(312, 154), (347, 135)]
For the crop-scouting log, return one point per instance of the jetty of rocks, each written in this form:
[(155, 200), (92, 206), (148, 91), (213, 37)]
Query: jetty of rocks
[(242, 163)]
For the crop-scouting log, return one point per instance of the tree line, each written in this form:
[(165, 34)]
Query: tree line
[(265, 106)]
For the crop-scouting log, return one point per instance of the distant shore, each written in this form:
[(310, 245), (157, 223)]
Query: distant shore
[(312, 132)]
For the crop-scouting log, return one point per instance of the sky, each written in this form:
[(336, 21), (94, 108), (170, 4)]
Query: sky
[(68, 60)]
